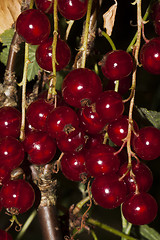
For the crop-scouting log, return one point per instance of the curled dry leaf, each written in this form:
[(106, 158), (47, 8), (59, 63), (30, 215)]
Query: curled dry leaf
[(109, 18), (9, 11)]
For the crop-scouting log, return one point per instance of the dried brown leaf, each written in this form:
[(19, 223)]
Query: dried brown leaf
[(109, 18), (9, 11)]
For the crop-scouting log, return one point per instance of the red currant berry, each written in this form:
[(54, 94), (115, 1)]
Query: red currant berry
[(73, 166), (10, 122), (61, 121), (34, 26), (72, 142), (118, 130), (101, 160), (44, 5), (37, 113), (155, 10), (44, 55), (17, 196), (5, 235), (146, 144), (124, 85), (143, 177), (5, 174), (94, 140), (81, 86), (140, 209), (11, 152), (72, 9), (40, 147), (150, 56), (117, 64), (109, 105), (90, 120), (108, 191)]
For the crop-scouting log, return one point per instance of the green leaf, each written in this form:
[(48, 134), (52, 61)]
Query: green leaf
[(33, 66), (6, 39), (149, 233), (152, 116)]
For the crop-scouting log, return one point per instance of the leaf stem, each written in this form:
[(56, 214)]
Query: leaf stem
[(109, 229), (24, 84), (85, 40)]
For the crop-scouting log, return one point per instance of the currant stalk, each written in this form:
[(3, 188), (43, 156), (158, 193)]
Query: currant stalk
[(52, 91), (85, 40)]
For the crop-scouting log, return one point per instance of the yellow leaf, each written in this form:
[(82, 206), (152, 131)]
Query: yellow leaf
[(9, 11), (109, 18)]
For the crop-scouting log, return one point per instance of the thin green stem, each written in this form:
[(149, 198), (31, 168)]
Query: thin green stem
[(80, 204), (126, 226), (109, 229), (31, 4), (26, 225), (109, 40), (130, 47), (24, 84), (94, 235), (85, 40)]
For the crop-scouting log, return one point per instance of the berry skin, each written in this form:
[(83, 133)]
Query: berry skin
[(71, 142), (37, 113), (33, 26), (44, 55), (73, 166), (40, 147), (5, 174), (17, 196), (150, 56), (101, 160), (44, 5), (108, 191), (118, 130), (117, 64), (109, 105), (72, 9), (146, 144), (10, 122), (11, 152), (5, 235), (140, 209), (94, 140), (81, 86), (142, 175), (61, 120), (90, 121)]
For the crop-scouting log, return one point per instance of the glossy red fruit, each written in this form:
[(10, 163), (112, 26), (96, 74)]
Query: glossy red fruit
[(108, 191), (37, 113), (5, 235), (40, 147), (45, 5), (80, 87), (94, 140), (143, 177), (73, 166), (5, 174), (124, 85), (150, 56), (17, 196), (11, 152), (90, 120), (101, 160), (10, 122), (146, 144), (33, 26), (44, 55), (157, 26), (118, 130), (72, 142), (72, 9), (140, 209), (117, 64), (154, 10), (61, 121), (109, 105)]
